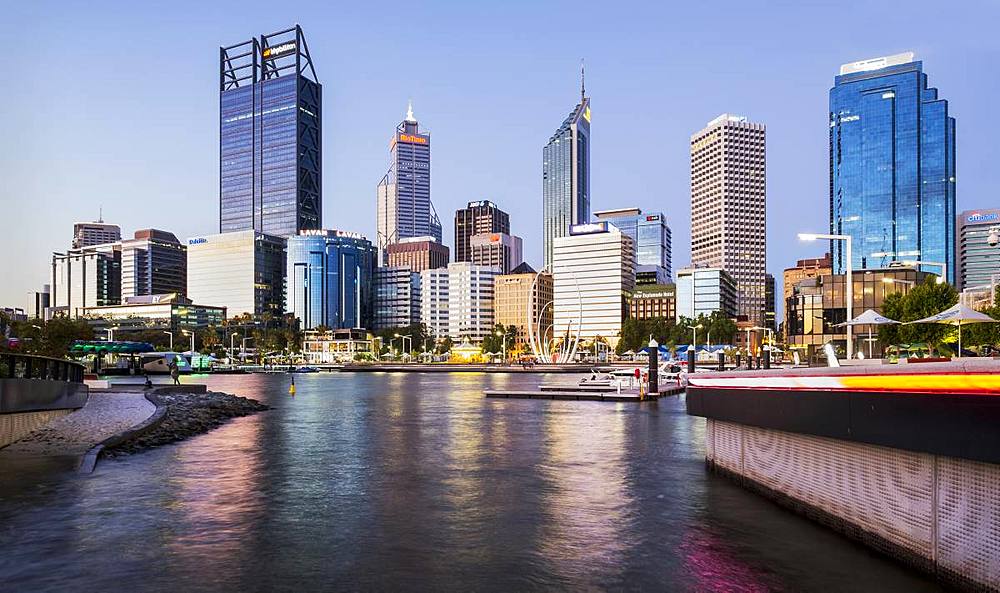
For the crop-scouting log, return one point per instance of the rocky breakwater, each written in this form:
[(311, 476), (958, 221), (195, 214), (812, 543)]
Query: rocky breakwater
[(186, 414)]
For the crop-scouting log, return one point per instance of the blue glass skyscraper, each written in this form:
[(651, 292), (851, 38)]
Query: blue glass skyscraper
[(329, 280), (270, 165), (892, 166), (652, 240), (566, 176)]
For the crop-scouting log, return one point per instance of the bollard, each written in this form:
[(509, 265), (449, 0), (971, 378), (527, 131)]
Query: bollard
[(722, 361), (767, 359), (654, 365), (691, 363), (739, 360)]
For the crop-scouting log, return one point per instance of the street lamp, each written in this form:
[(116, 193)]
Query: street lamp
[(171, 334), (504, 347), (402, 341), (694, 334), (111, 332), (232, 346), (942, 265), (189, 333), (850, 280)]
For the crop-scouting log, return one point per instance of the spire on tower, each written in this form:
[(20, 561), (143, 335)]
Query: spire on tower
[(409, 112), (583, 87)]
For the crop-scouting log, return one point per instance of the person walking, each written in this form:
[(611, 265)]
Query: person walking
[(175, 373)]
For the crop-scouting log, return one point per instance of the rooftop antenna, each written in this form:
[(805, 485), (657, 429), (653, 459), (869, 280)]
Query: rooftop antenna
[(100, 213), (583, 87)]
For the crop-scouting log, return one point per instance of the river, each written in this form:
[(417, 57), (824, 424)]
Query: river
[(376, 481)]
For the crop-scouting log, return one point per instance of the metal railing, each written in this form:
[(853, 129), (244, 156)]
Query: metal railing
[(28, 366)]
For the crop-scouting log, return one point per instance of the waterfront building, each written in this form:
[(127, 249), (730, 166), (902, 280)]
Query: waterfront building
[(329, 279), (702, 291), (270, 116), (404, 208), (167, 312), (892, 166), (434, 302), (336, 346), (593, 272), (654, 301), (729, 206), (566, 176), (652, 242), (153, 262), (477, 218), (87, 234), (38, 302), (86, 277), (498, 250), (417, 254), (243, 271), (397, 298), (818, 305), (978, 261), (470, 301), (520, 296), (806, 268)]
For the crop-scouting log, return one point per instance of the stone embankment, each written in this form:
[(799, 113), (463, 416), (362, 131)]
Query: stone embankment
[(185, 414)]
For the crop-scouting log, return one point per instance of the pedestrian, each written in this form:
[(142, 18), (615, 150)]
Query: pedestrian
[(175, 373)]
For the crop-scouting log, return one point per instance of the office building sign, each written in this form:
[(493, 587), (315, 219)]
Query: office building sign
[(271, 53), (991, 217)]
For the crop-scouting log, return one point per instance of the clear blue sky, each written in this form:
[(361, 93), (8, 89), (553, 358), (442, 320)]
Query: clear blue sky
[(116, 104)]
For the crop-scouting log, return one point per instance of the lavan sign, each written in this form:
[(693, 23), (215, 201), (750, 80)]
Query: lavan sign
[(983, 217)]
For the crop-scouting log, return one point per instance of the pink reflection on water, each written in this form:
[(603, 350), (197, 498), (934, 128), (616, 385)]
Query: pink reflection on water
[(715, 567)]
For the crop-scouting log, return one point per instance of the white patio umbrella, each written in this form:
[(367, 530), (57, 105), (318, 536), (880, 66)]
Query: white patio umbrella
[(958, 315), (869, 317)]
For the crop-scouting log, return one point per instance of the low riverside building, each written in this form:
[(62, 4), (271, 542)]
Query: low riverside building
[(817, 305), (329, 279), (243, 271), (498, 250), (417, 254), (521, 296), (702, 291), (593, 271), (806, 268), (397, 298), (89, 276), (336, 346), (168, 312), (653, 301)]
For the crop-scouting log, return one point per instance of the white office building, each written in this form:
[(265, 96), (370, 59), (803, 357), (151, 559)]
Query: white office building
[(593, 271), (470, 301), (87, 277), (701, 291), (434, 302), (243, 271)]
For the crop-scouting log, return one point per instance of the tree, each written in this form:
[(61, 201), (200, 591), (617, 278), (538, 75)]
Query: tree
[(923, 300), (985, 335), (495, 341), (444, 345), (52, 338)]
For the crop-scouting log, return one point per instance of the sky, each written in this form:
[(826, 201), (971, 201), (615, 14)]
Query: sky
[(114, 106)]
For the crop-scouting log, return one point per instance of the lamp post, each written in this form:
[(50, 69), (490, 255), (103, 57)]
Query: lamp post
[(694, 334), (232, 346), (850, 280), (171, 334), (503, 350), (243, 349), (111, 332), (189, 333), (402, 342), (942, 265)]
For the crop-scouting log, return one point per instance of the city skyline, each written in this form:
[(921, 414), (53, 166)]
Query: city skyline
[(616, 169)]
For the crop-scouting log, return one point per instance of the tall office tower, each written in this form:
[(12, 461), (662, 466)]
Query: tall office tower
[(702, 291), (270, 154), (892, 166), (498, 250), (38, 302), (329, 279), (434, 301), (566, 176), (397, 298), (593, 271), (470, 301), (475, 219), (243, 271), (417, 254), (86, 234), (153, 262), (652, 242), (978, 261), (521, 295), (404, 206), (770, 312), (729, 206), (86, 277)]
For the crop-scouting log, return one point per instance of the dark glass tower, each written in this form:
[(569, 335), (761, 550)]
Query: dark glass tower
[(892, 166), (270, 149), (566, 176), (476, 218)]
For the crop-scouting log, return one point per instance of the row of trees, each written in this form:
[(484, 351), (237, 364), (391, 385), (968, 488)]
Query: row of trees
[(635, 333), (45, 338), (924, 300)]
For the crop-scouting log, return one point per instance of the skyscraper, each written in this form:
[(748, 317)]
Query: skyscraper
[(270, 154), (892, 166), (329, 280), (153, 262), (652, 241), (477, 218), (87, 277), (729, 206), (404, 206), (566, 176), (498, 250), (978, 260), (243, 271), (99, 232)]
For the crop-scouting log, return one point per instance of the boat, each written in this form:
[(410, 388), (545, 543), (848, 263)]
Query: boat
[(305, 369), (158, 363)]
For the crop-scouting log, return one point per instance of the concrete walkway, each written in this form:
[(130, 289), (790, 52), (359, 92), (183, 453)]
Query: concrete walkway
[(104, 415)]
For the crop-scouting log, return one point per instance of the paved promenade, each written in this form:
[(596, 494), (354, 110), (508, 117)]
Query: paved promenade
[(104, 415)]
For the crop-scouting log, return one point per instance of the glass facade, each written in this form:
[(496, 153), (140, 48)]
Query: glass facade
[(154, 262), (330, 276), (566, 177), (701, 291), (652, 240), (892, 166), (270, 143)]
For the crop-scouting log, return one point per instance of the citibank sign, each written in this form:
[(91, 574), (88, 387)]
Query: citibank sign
[(983, 217)]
